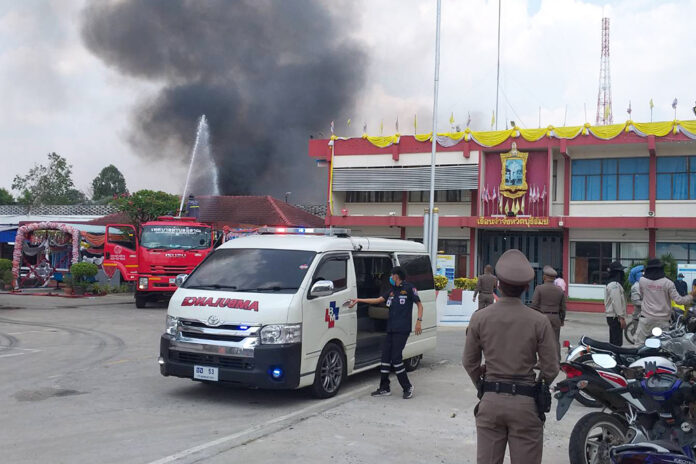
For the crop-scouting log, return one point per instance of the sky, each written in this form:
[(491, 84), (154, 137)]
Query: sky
[(57, 96)]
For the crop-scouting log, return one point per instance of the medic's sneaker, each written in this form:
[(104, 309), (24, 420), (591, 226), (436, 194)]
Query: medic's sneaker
[(381, 392), (408, 393)]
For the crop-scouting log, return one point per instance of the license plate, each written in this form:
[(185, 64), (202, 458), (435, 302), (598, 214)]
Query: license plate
[(172, 280), (205, 373)]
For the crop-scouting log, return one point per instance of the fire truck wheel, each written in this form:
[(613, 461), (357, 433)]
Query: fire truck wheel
[(140, 301)]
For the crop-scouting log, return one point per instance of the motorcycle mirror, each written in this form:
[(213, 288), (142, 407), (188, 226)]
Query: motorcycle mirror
[(653, 343), (656, 331), (604, 360)]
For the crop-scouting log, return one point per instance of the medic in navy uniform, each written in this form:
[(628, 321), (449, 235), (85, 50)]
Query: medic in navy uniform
[(399, 299)]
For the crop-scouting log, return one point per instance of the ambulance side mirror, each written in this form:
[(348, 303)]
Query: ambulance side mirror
[(179, 280), (322, 288)]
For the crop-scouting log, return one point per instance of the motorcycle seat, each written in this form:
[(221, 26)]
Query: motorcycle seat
[(605, 346)]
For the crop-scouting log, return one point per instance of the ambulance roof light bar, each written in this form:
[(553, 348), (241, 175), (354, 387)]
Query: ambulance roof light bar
[(305, 231)]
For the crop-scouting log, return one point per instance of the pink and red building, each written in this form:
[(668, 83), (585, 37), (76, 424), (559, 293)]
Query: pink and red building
[(576, 198)]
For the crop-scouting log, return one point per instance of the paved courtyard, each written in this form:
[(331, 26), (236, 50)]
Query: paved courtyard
[(79, 383)]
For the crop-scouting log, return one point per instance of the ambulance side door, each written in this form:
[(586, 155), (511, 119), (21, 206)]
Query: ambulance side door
[(328, 317)]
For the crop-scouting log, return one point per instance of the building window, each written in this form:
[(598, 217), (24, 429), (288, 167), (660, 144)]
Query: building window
[(676, 178), (610, 179), (441, 196), (554, 181), (589, 261), (374, 197), (684, 253)]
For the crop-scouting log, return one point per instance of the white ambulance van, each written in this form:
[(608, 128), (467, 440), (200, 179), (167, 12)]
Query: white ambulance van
[(270, 310)]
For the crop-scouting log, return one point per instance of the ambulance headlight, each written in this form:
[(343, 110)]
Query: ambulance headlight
[(172, 324), (142, 283), (276, 334)]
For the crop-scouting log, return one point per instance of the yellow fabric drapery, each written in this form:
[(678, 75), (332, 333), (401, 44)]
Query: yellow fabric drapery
[(532, 135), (607, 132), (493, 138), (382, 141)]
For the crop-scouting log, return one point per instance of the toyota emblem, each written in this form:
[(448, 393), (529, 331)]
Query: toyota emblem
[(214, 321)]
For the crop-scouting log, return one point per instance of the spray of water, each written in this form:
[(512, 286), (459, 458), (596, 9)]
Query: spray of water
[(202, 176)]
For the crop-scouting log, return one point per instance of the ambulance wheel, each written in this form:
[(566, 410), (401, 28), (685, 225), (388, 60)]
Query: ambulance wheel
[(331, 370), (140, 301), (413, 363)]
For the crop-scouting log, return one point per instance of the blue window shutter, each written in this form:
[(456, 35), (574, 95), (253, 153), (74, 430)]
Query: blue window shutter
[(692, 188), (668, 164), (680, 186), (593, 188), (642, 187), (609, 187), (664, 187), (626, 187), (577, 188)]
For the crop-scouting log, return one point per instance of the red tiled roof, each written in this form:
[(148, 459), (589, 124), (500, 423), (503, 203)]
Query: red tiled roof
[(243, 211), (115, 218), (239, 212)]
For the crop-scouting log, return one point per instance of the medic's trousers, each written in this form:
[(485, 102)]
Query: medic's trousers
[(392, 356)]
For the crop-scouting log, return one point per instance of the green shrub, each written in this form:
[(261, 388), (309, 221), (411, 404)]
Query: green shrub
[(6, 277), (5, 265), (82, 271), (440, 282)]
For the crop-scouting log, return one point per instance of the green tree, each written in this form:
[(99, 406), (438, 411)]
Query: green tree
[(49, 184), (6, 197), (146, 205), (108, 183)]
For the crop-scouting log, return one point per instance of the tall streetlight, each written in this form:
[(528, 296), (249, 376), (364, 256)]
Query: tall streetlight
[(430, 225)]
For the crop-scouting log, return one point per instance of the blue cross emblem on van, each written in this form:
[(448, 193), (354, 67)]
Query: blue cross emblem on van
[(331, 314)]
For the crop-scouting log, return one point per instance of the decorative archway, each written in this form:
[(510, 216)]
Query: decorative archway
[(42, 270)]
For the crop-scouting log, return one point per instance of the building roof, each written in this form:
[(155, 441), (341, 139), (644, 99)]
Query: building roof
[(245, 211)]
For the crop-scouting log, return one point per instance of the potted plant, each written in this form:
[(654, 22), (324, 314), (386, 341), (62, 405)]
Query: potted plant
[(80, 273)]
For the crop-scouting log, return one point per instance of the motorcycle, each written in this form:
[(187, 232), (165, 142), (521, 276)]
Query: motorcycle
[(676, 345), (665, 432), (625, 414)]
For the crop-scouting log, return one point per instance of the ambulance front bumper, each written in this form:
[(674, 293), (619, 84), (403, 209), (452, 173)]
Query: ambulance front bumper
[(256, 366)]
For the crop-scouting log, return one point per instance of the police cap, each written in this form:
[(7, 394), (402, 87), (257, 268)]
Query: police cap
[(513, 268), (550, 272)]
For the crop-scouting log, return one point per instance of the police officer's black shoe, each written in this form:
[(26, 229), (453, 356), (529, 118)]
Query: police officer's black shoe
[(408, 393), (381, 392)]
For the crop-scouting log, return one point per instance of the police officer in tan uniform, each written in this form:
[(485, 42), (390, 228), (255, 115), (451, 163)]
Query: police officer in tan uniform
[(512, 338), (485, 286), (550, 300)]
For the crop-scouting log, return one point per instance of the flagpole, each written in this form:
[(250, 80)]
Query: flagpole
[(497, 79), (432, 247)]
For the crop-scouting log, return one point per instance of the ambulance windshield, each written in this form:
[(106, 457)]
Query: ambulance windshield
[(173, 237), (252, 270)]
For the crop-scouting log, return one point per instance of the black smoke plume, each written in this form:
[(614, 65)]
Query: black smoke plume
[(267, 74)]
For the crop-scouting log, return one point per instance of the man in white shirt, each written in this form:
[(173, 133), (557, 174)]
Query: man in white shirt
[(615, 303)]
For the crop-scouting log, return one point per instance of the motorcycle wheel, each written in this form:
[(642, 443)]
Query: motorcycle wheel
[(593, 436), (630, 331)]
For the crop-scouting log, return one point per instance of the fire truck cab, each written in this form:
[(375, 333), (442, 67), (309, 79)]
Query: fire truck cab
[(271, 310), (164, 249)]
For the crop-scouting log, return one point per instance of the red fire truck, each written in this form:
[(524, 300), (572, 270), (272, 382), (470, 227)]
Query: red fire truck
[(164, 249)]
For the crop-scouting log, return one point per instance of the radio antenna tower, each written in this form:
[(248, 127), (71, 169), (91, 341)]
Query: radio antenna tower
[(604, 113)]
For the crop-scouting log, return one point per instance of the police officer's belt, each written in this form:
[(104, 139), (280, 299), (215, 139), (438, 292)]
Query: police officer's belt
[(550, 312), (513, 388)]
